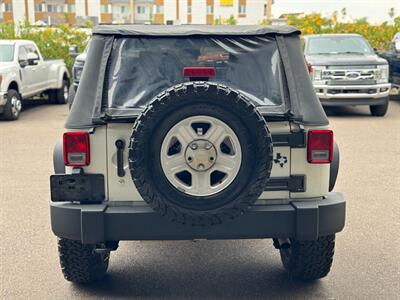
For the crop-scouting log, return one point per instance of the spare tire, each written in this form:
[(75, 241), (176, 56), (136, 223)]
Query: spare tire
[(200, 153)]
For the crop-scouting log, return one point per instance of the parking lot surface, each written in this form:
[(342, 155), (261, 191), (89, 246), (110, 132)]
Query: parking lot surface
[(366, 263)]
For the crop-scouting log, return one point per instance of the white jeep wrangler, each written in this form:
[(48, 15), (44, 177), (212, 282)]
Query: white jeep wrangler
[(195, 132)]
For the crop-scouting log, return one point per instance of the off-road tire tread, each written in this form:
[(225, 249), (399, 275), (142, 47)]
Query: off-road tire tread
[(79, 262), (309, 260), (379, 110), (171, 97)]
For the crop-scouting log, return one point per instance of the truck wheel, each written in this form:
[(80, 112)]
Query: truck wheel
[(13, 107), (309, 260), (59, 96), (200, 153), (379, 110), (71, 95), (79, 262)]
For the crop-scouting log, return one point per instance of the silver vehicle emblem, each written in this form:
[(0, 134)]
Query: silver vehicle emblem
[(353, 75)]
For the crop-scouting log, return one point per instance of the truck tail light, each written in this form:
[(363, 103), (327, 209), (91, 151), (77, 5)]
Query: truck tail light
[(320, 146), (309, 68), (76, 149), (199, 72)]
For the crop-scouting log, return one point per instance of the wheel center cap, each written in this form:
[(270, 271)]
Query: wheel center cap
[(200, 155)]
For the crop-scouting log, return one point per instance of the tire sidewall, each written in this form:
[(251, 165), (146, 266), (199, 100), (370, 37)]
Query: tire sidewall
[(179, 103), (221, 199), (9, 115)]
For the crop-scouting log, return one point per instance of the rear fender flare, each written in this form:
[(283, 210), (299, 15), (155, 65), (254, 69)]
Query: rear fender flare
[(58, 158), (334, 169)]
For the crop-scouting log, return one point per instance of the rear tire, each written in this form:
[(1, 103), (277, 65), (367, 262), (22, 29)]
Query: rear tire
[(79, 262), (379, 110), (59, 96), (309, 260), (13, 107)]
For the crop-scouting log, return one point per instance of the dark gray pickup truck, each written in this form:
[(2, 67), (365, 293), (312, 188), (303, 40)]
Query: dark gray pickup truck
[(345, 70), (393, 58)]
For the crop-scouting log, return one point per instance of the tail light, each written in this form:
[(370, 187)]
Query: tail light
[(199, 72), (320, 146), (76, 149), (309, 68)]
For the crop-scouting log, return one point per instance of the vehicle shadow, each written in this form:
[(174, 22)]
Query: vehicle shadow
[(347, 111), (30, 104), (207, 269)]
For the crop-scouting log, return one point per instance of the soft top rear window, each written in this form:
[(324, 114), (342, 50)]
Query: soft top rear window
[(139, 68)]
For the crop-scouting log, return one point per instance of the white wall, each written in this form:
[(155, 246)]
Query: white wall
[(18, 11), (80, 8), (254, 13), (199, 11), (183, 11), (94, 8), (170, 10), (31, 11)]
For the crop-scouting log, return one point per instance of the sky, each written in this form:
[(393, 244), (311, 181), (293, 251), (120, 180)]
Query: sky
[(375, 10)]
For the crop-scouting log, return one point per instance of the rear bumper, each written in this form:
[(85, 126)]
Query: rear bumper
[(95, 223)]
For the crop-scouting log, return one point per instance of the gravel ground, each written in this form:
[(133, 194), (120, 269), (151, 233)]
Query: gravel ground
[(367, 258)]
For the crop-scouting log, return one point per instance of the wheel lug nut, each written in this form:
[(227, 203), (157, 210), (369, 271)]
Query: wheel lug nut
[(193, 146), (200, 166), (208, 146)]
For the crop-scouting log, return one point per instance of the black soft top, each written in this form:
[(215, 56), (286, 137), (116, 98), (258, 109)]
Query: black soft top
[(192, 30), (301, 104)]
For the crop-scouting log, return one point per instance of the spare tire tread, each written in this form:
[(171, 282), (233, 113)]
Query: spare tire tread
[(174, 97)]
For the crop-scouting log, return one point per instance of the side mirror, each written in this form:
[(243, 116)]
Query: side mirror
[(23, 62), (33, 58), (73, 51)]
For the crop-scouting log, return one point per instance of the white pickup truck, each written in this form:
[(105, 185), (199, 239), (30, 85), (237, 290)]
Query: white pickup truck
[(24, 74)]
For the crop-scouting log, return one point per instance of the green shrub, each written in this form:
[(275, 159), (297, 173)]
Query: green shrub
[(379, 36), (53, 42)]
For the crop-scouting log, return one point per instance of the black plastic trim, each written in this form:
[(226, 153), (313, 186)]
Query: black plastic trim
[(334, 167), (303, 219), (295, 184), (58, 158), (293, 140), (85, 188)]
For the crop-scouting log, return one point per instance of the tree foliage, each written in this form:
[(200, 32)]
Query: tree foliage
[(53, 42), (379, 36)]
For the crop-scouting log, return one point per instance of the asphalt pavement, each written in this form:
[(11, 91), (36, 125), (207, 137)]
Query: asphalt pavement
[(367, 256)]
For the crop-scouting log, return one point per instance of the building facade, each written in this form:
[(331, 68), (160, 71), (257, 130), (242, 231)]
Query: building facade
[(77, 12)]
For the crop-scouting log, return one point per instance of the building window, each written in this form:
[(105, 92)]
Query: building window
[(242, 9), (141, 9), (104, 9), (210, 9), (122, 9), (159, 9), (40, 7), (70, 8), (189, 9), (8, 7), (53, 8)]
